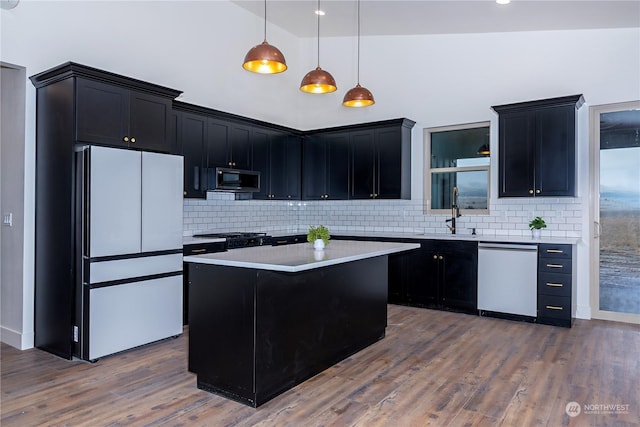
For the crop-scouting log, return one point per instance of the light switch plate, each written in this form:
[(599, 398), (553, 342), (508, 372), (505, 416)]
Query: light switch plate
[(7, 219)]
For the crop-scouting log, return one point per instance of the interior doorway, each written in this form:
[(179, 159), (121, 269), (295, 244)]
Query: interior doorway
[(615, 190)]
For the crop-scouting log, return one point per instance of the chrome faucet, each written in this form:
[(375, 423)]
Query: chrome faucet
[(455, 211)]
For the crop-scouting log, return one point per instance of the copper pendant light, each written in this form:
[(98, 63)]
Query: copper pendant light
[(318, 80), (265, 58), (358, 96)]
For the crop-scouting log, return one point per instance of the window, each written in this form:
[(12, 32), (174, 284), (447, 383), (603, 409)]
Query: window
[(457, 157)]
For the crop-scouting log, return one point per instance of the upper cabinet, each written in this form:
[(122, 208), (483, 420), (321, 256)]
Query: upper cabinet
[(365, 161), (325, 166), (381, 162), (111, 109), (277, 156), (537, 147)]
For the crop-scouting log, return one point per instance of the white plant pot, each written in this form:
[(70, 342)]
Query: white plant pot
[(535, 233), (318, 244), (318, 255)]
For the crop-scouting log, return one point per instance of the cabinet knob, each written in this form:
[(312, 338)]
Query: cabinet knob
[(184, 193), (435, 257), (125, 139), (133, 140), (440, 257), (537, 191), (370, 194), (530, 191)]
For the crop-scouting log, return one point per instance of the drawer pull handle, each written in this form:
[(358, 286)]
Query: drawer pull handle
[(281, 241), (555, 265), (555, 285), (555, 251), (198, 250), (553, 307)]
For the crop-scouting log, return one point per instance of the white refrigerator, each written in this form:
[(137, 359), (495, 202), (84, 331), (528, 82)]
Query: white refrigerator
[(129, 249)]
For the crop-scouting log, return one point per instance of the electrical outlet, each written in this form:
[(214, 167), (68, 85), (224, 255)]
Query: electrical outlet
[(7, 219)]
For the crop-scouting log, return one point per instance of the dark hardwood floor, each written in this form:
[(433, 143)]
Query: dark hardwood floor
[(432, 368)]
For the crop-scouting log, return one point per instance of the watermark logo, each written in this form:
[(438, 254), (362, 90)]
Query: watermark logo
[(573, 409)]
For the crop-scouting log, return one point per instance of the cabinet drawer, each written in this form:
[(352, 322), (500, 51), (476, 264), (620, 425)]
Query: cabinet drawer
[(288, 240), (554, 265), (554, 251), (204, 248), (554, 306), (554, 284)]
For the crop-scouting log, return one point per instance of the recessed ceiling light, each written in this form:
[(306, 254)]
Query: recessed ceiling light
[(503, 1), (320, 12)]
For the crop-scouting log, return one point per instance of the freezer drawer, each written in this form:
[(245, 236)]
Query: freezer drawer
[(106, 271), (133, 314)]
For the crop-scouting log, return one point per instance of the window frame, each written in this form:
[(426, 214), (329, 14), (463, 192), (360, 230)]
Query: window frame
[(428, 170)]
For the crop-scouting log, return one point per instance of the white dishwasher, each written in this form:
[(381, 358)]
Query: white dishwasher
[(507, 278)]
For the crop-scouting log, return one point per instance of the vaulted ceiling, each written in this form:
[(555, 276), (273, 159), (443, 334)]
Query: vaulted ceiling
[(391, 17)]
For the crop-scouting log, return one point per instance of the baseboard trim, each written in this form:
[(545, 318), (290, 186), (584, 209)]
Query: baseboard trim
[(21, 341)]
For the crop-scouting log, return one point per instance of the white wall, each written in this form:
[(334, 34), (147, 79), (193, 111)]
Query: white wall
[(435, 80)]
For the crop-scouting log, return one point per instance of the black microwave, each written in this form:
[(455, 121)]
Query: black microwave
[(235, 180)]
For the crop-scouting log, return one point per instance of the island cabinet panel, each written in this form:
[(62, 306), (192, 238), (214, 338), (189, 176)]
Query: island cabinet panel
[(121, 117), (256, 333), (537, 147)]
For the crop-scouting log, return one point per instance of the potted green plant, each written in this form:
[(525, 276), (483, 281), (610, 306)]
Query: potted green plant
[(536, 225), (319, 236)]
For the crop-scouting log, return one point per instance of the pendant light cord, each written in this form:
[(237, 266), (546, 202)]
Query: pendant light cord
[(358, 67), (318, 14), (265, 20)]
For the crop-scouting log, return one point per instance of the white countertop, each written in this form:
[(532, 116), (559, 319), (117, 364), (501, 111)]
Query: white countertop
[(443, 236), (301, 256)]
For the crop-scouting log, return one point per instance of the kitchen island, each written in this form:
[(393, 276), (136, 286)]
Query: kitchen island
[(264, 319)]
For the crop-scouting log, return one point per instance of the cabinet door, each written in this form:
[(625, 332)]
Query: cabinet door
[(114, 202), (314, 168), (149, 122), (263, 149), (102, 113), (388, 172), (516, 155), (193, 138), (292, 168), (555, 151), (422, 276), (240, 155), (459, 266), (337, 177), (362, 165), (218, 144)]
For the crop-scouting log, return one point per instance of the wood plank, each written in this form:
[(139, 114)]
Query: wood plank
[(432, 368)]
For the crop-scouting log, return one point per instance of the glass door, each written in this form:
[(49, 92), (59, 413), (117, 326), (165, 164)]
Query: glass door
[(616, 212)]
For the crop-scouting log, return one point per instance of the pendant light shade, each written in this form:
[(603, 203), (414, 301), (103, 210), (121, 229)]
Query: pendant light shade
[(318, 80), (265, 58), (358, 96)]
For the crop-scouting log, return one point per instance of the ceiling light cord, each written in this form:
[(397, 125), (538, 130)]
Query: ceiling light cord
[(318, 27), (358, 66), (265, 20)]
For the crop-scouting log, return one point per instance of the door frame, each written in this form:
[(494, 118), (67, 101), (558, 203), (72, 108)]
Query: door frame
[(594, 220)]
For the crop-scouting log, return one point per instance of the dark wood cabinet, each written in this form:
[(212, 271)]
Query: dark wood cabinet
[(122, 117), (556, 287), (193, 138), (325, 166), (537, 153), (277, 156), (381, 162), (443, 274)]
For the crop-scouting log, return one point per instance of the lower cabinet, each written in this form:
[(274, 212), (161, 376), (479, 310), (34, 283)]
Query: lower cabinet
[(195, 249), (442, 274), (555, 285)]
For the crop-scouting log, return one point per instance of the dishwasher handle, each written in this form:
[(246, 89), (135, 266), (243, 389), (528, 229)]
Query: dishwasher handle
[(508, 246)]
